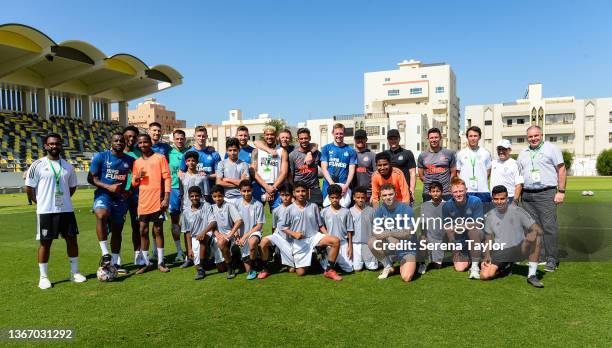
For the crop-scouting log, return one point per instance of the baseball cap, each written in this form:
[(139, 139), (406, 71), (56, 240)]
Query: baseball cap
[(393, 133), (505, 143), (360, 133)]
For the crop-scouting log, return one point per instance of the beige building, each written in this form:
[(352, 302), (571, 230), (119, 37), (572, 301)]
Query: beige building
[(581, 126), (218, 134), (151, 111), (416, 88), (412, 128)]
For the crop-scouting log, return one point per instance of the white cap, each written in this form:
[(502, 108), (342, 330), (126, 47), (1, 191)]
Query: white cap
[(505, 143)]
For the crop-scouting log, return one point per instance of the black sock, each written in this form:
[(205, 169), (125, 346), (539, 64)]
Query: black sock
[(330, 265)]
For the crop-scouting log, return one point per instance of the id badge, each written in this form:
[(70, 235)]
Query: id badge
[(473, 183), (59, 201), (535, 175)]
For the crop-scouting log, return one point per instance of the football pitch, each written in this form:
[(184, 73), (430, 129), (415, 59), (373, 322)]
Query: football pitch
[(441, 307)]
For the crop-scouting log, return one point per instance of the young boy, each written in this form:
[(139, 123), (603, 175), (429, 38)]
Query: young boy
[(198, 224), (188, 180), (303, 223), (363, 220), (228, 229), (278, 238), (433, 232), (339, 223), (253, 218), (231, 171), (151, 175)]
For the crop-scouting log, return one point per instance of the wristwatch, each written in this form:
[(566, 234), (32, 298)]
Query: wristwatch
[(561, 191)]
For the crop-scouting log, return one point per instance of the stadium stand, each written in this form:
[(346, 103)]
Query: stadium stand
[(66, 88)]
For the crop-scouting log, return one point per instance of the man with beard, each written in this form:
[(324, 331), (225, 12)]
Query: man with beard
[(299, 170)]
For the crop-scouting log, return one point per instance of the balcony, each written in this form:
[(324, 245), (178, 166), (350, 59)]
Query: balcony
[(441, 104), (559, 128), (516, 130)]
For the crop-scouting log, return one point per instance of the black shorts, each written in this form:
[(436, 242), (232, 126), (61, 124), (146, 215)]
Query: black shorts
[(51, 226), (158, 216), (316, 196), (507, 255)]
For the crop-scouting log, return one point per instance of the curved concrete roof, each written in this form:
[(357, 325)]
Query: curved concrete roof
[(31, 58)]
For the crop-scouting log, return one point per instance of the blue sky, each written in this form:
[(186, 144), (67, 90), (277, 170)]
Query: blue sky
[(306, 59)]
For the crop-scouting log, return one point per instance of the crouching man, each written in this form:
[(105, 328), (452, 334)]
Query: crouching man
[(398, 242), (511, 226)]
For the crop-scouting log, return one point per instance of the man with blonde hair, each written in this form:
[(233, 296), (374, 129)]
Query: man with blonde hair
[(338, 161)]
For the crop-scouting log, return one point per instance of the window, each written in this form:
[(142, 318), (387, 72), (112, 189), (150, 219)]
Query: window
[(387, 79), (509, 122), (372, 130), (520, 121), (383, 147), (565, 139), (520, 140), (610, 119), (348, 132), (552, 139), (488, 123), (417, 90), (418, 129), (439, 89), (374, 147), (383, 133), (567, 118), (393, 92), (610, 137), (423, 76), (419, 146)]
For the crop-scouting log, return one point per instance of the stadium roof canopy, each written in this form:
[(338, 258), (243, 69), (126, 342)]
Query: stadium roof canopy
[(29, 57)]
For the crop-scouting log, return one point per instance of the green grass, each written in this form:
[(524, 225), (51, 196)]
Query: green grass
[(441, 308)]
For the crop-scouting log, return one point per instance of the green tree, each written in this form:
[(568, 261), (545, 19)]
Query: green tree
[(604, 162), (278, 124), (568, 158)]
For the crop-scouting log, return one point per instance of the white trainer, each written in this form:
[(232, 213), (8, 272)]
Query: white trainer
[(474, 273), (422, 268), (44, 283), (385, 273), (77, 278)]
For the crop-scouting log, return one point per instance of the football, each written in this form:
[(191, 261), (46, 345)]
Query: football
[(106, 274)]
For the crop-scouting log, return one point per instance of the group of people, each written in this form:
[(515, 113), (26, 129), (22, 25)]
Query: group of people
[(354, 221)]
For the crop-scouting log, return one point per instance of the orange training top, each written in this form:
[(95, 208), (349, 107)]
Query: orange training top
[(157, 173), (396, 179)]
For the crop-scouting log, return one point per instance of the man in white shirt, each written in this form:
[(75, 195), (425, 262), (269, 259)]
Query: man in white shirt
[(50, 183), (505, 172), (474, 166)]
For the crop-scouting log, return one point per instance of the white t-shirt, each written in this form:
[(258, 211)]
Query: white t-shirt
[(268, 167), (40, 177), (506, 173), (481, 160)]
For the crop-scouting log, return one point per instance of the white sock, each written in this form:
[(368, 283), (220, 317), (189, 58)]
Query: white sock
[(74, 264), (43, 269), (160, 256), (103, 247), (115, 258), (475, 265), (145, 255), (118, 260), (387, 263), (179, 250), (136, 253), (533, 268)]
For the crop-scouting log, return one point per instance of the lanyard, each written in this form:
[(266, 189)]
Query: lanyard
[(56, 174), (534, 153), (473, 161)]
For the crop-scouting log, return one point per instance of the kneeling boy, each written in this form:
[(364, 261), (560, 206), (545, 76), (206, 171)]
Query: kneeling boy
[(198, 224), (228, 229), (253, 218)]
